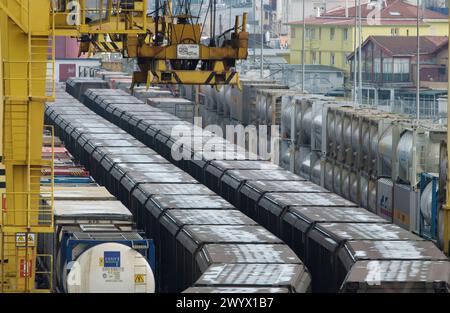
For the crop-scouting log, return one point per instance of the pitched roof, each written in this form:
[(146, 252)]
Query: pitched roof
[(407, 45), (393, 12)]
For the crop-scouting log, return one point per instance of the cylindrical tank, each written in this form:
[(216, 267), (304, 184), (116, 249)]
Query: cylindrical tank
[(316, 168), (365, 144), (328, 175), (305, 164), (385, 151), (356, 146), (331, 131), (405, 155), (426, 202), (364, 192), (372, 201), (338, 129), (217, 96), (268, 113), (347, 131), (304, 124), (373, 145), (285, 156), (345, 188), (354, 190), (209, 93), (317, 129), (226, 95), (259, 108), (108, 268), (286, 117), (337, 174)]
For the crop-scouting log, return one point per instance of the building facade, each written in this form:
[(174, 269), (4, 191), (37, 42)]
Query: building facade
[(389, 70), (330, 37)]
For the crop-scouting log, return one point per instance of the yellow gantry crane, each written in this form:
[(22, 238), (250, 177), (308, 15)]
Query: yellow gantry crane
[(27, 55), (169, 49)]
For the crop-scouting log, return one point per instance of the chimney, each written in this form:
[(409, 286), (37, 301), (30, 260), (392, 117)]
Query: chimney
[(318, 11), (346, 8)]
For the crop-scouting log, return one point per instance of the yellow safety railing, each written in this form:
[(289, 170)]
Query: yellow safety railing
[(36, 207), (41, 59), (32, 270), (27, 266)]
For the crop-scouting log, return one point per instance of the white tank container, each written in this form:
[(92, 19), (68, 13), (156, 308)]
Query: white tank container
[(328, 175), (354, 187), (426, 204), (110, 268)]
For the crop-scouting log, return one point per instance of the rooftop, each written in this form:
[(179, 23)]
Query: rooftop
[(407, 45), (392, 12)]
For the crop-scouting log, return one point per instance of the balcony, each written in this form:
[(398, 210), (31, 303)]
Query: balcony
[(386, 77)]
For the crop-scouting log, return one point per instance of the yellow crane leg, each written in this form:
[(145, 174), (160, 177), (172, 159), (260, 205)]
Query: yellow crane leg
[(24, 66)]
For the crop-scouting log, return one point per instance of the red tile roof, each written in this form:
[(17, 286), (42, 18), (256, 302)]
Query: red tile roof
[(395, 12), (407, 45)]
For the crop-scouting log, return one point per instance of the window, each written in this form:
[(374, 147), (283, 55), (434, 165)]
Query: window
[(332, 58), (292, 32), (407, 32), (310, 33), (320, 33), (345, 33), (377, 68), (401, 65), (314, 57), (394, 31), (332, 33), (387, 65)]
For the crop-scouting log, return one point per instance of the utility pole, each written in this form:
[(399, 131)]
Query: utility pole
[(231, 19), (262, 39), (360, 52), (303, 48), (418, 65), (355, 47), (254, 31)]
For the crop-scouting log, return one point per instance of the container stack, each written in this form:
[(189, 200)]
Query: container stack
[(179, 107), (301, 133), (369, 159), (67, 172)]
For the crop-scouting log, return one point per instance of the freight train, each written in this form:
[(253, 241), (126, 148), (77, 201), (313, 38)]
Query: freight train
[(95, 246), (346, 248), (202, 242), (362, 153)]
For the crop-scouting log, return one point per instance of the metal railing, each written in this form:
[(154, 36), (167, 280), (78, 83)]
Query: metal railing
[(429, 108)]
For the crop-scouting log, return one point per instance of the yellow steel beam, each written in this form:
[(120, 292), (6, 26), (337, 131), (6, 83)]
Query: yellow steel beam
[(24, 63), (193, 78), (17, 13), (170, 52), (2, 29)]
